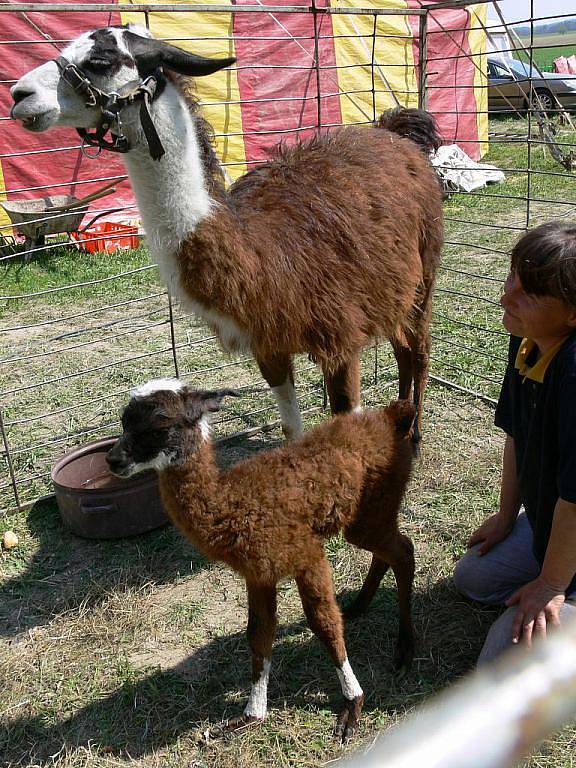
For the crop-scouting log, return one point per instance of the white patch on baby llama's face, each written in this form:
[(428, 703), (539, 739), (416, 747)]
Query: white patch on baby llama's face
[(257, 705), (159, 463), (350, 686), (157, 385)]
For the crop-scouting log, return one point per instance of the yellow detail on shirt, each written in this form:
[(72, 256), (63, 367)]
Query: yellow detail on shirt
[(537, 371)]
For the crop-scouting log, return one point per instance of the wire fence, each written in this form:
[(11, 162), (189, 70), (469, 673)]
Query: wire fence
[(72, 349), (79, 329)]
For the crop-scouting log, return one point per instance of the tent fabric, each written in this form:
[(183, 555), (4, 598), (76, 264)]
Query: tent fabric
[(283, 69), (273, 93), (455, 94), (208, 34), (395, 80)]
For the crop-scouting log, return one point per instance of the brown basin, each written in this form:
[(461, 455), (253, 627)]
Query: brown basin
[(96, 504)]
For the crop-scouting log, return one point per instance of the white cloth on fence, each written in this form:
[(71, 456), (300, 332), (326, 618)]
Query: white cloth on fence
[(459, 172)]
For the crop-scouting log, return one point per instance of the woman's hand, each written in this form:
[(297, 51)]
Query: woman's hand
[(539, 604), (493, 530)]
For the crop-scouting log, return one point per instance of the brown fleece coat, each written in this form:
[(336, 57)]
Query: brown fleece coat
[(331, 244), (267, 517)]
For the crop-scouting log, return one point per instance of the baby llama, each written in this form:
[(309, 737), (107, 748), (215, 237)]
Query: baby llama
[(268, 517)]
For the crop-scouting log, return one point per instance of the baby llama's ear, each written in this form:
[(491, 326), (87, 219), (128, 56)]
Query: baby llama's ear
[(402, 413), (212, 399)]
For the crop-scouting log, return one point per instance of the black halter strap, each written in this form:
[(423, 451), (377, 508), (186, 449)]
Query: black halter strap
[(110, 106)]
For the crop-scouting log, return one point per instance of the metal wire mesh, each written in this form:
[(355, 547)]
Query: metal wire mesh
[(69, 353)]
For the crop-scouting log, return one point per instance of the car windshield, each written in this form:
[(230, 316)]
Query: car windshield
[(519, 67)]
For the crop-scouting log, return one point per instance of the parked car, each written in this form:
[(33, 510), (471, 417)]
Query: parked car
[(509, 87)]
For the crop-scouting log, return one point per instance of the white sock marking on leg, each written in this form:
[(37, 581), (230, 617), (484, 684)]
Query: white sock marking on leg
[(287, 402), (348, 682), (257, 705)]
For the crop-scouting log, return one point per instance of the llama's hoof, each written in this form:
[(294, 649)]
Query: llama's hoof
[(403, 656), (228, 727), (291, 433), (242, 722), (347, 721), (353, 610)]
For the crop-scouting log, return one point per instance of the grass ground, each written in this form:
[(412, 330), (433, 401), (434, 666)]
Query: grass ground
[(151, 637), (546, 48), (122, 653)]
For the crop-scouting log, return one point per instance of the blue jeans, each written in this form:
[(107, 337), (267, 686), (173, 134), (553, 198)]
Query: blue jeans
[(495, 576)]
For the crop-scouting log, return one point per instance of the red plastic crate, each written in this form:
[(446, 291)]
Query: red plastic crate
[(108, 236)]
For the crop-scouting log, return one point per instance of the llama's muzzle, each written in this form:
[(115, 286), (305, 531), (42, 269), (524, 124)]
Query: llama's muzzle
[(118, 459)]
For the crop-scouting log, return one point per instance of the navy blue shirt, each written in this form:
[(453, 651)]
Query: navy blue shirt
[(541, 417)]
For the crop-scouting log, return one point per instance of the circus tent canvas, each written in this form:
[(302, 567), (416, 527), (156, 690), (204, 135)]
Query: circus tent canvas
[(275, 92)]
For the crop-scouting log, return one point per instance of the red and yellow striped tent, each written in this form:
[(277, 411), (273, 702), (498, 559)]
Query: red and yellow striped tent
[(275, 92)]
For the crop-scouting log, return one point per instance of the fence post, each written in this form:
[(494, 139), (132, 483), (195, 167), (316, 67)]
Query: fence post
[(374, 30), (492, 718), (317, 68), (173, 335), (9, 462), (422, 60)]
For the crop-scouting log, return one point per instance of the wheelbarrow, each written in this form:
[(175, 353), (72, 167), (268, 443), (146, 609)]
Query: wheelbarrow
[(51, 215)]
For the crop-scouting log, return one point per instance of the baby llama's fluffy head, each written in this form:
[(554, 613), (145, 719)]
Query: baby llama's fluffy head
[(164, 422)]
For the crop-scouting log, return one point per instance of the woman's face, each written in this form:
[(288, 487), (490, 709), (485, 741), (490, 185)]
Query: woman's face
[(544, 318)]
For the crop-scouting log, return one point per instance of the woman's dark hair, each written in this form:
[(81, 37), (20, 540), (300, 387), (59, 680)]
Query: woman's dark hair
[(545, 261)]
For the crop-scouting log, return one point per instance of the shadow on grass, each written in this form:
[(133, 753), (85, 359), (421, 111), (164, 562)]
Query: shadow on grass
[(153, 708), (66, 571)]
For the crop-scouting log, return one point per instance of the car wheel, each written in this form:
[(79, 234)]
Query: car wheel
[(543, 99)]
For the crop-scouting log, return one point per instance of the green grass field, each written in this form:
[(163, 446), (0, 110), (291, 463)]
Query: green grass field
[(124, 653), (546, 48)]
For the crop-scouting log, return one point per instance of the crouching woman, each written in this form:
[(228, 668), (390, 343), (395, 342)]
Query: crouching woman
[(524, 556)]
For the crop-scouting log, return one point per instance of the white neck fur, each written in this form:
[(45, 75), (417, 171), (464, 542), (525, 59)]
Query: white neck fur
[(171, 192), (173, 199)]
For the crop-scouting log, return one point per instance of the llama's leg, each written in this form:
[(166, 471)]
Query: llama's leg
[(343, 385), (325, 620), (419, 341), (407, 375), (359, 605), (395, 550), (420, 362), (261, 631), (403, 355), (279, 374), (399, 552)]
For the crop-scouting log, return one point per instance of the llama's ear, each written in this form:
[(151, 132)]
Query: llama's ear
[(402, 413), (150, 54), (212, 399)]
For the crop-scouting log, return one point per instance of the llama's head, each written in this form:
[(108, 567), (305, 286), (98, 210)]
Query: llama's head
[(98, 64), (164, 423)]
